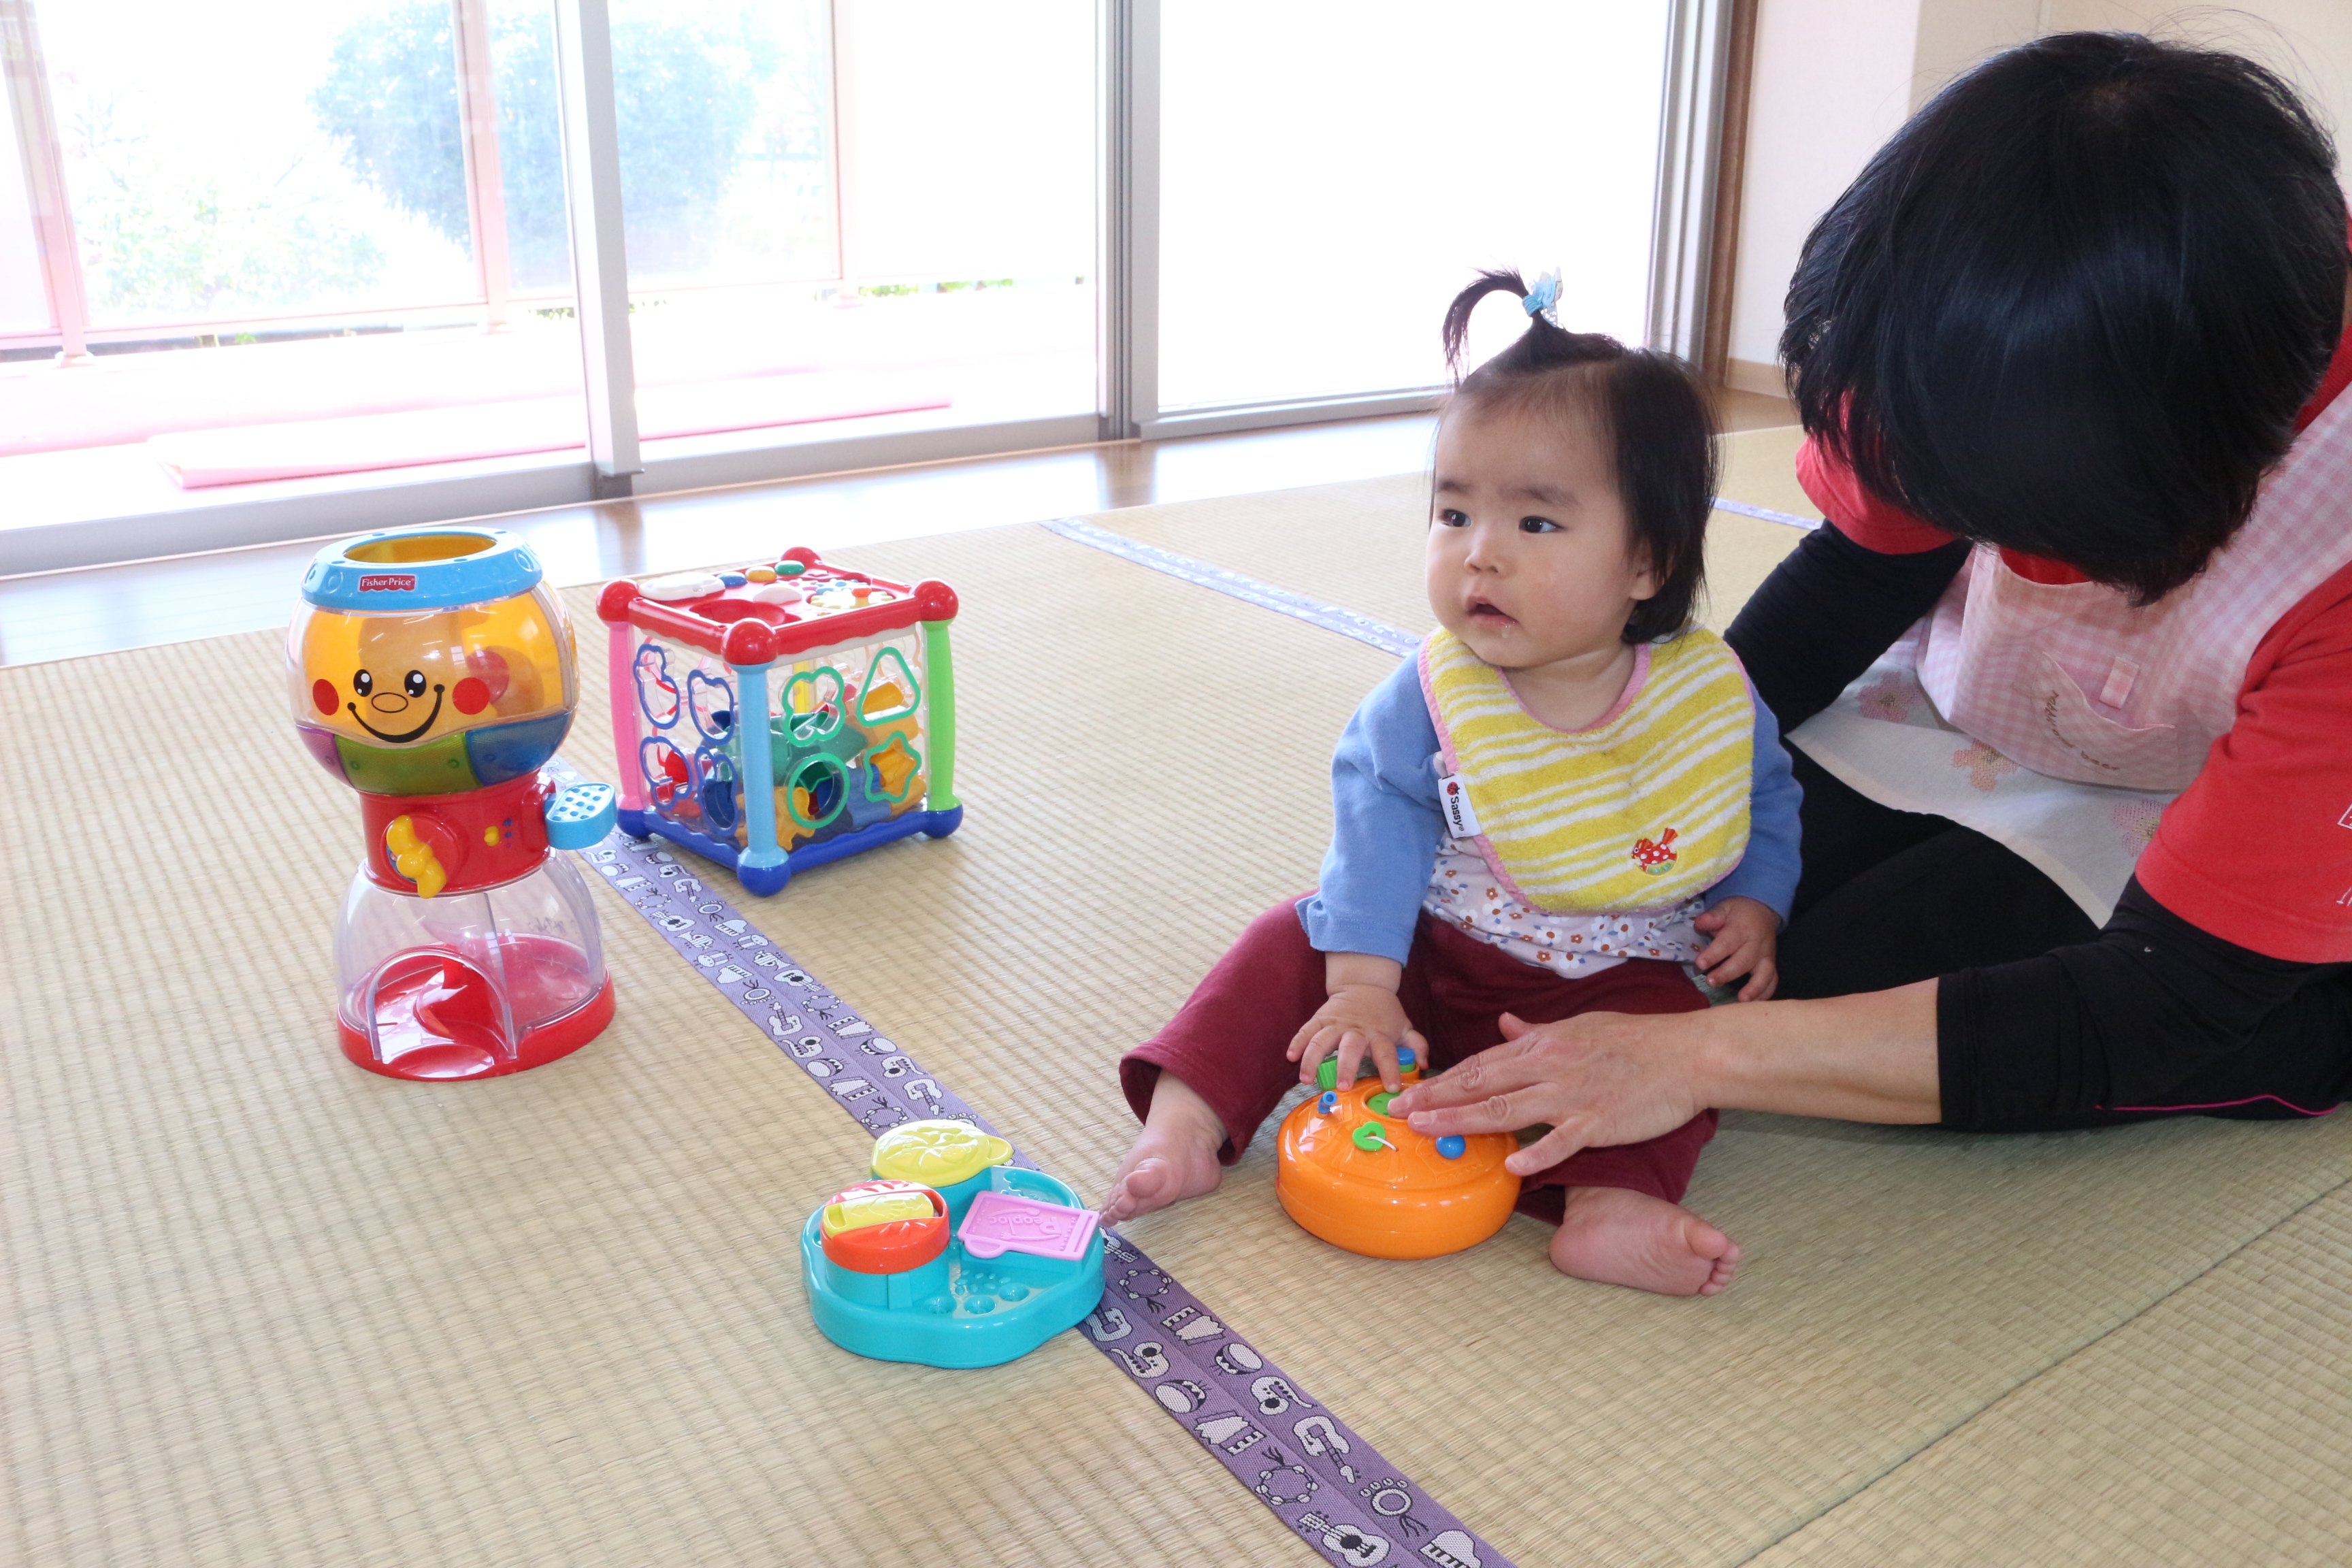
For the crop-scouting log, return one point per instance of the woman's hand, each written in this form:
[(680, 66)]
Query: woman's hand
[(1597, 1078), (1617, 1078)]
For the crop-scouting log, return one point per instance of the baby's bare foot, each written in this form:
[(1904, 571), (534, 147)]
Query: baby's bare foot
[(1621, 1237), (1174, 1158)]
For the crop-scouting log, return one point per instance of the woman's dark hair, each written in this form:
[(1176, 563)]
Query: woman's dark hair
[(1647, 406), (2073, 307)]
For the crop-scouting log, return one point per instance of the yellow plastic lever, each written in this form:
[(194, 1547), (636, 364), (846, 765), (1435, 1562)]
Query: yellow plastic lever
[(413, 856)]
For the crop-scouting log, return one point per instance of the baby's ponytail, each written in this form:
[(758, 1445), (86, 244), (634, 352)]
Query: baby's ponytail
[(1544, 346)]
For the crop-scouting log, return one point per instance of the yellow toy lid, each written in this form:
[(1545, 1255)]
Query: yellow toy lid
[(937, 1153), (878, 1203)]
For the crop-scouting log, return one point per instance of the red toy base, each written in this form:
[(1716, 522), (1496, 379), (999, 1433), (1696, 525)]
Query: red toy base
[(459, 1059)]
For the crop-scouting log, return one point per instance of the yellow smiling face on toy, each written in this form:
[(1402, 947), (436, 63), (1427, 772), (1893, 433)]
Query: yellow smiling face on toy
[(937, 1153), (403, 680)]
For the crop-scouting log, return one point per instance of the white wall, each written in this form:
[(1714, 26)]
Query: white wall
[(2309, 42), (1831, 82), (1835, 77)]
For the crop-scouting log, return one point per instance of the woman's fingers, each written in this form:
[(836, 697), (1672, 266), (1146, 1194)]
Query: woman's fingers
[(1484, 1094), (1566, 1139)]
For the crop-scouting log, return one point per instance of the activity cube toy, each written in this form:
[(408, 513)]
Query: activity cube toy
[(780, 716), (432, 670), (1349, 1172), (950, 1257)]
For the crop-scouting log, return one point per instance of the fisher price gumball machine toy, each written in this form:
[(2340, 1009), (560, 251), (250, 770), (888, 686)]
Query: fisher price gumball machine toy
[(433, 670)]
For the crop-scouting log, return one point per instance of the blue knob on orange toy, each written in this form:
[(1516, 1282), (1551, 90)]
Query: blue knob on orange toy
[(1329, 1103), (1451, 1146)]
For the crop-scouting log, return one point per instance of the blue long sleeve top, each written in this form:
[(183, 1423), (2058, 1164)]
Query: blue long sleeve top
[(1387, 827)]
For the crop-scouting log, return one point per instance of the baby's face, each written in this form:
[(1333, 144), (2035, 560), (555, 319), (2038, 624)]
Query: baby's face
[(1530, 557)]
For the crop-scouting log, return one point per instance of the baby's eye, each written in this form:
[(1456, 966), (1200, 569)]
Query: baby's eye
[(415, 683), (1452, 519), (1537, 525)]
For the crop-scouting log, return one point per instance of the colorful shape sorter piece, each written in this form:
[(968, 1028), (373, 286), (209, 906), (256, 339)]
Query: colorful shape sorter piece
[(777, 717), (951, 1256)]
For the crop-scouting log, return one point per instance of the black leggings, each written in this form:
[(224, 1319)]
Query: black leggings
[(2044, 1019)]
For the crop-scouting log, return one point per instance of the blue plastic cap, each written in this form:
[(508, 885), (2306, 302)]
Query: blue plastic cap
[(1406, 1058), (1451, 1146), (400, 571), (580, 816)]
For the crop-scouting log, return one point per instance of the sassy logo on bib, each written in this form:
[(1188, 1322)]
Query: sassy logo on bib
[(1453, 802)]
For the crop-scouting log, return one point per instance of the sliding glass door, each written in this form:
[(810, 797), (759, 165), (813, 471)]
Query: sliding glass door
[(1328, 183), (292, 269)]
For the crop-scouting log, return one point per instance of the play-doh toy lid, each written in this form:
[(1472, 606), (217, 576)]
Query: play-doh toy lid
[(884, 1227), (437, 567), (938, 1154)]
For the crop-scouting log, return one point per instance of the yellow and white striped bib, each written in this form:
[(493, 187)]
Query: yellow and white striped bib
[(1646, 809)]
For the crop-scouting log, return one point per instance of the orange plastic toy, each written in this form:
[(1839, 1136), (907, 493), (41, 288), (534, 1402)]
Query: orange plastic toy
[(1364, 1181)]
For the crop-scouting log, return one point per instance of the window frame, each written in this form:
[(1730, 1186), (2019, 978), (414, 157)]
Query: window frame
[(1127, 53)]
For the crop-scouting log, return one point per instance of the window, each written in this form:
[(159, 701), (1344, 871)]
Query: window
[(317, 269), (1315, 222)]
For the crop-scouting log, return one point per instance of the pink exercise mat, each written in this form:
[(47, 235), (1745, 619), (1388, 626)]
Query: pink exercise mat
[(300, 449)]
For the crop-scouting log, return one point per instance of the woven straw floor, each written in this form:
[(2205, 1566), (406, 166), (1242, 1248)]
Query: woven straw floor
[(266, 1309)]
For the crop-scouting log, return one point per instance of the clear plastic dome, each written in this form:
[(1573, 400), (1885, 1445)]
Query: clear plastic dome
[(423, 702), (467, 984)]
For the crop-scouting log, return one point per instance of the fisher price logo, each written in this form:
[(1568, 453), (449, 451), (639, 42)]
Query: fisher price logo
[(389, 582)]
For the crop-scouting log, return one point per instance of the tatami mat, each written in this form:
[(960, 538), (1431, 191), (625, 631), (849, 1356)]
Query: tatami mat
[(2211, 1429), (268, 1308), (1358, 544)]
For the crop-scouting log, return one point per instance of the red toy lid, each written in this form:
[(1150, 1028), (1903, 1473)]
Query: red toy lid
[(884, 1227)]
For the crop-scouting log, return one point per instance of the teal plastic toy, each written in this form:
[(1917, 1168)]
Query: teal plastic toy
[(978, 1264)]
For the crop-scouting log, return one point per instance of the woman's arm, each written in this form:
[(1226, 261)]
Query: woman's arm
[(2114, 1024), (1612, 1077)]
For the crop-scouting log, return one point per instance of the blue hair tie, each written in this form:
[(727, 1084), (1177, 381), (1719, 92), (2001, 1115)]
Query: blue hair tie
[(1541, 299)]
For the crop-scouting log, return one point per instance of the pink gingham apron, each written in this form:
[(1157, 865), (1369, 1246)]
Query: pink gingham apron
[(2059, 720)]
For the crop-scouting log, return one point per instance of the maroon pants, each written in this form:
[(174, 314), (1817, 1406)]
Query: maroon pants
[(1227, 1041)]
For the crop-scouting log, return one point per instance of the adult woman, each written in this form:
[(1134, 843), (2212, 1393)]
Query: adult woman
[(2067, 355)]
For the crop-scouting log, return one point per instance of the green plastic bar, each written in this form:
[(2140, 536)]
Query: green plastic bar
[(939, 674)]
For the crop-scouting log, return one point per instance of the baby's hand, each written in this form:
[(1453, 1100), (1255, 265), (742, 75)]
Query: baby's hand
[(1356, 1019), (1747, 937)]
